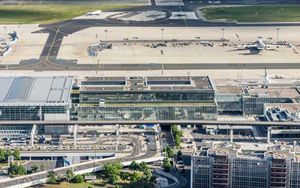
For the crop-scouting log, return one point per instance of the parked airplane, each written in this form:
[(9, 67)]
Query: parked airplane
[(94, 13), (265, 83), (258, 46)]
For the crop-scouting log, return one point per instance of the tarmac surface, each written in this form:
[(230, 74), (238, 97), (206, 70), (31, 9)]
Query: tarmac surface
[(48, 59)]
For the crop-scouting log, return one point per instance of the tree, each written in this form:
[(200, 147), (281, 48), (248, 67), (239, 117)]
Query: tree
[(17, 154), (78, 179), (16, 169), (124, 175), (112, 171), (34, 168), (51, 178), (134, 166), (167, 164), (7, 154), (147, 175), (69, 175), (134, 177), (176, 135), (2, 155), (143, 166), (177, 141), (169, 151)]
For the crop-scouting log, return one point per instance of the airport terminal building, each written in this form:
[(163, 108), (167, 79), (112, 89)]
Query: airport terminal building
[(132, 98), (251, 100), (146, 98), (35, 98)]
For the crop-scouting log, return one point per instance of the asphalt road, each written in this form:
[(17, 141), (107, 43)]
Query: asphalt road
[(53, 66), (35, 177)]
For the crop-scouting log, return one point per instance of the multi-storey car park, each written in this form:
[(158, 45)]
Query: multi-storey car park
[(244, 166)]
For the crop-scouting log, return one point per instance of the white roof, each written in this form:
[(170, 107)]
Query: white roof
[(35, 90)]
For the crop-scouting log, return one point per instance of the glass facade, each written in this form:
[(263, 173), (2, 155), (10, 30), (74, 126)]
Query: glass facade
[(248, 105), (255, 105), (247, 173), (29, 112), (229, 103), (148, 105), (15, 131), (148, 113), (145, 96), (201, 172), (295, 175)]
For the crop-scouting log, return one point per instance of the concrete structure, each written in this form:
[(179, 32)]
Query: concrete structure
[(67, 157), (135, 100), (35, 98), (250, 100), (146, 98), (82, 168), (282, 113), (236, 166)]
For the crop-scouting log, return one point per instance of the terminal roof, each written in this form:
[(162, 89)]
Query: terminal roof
[(160, 83), (35, 90)]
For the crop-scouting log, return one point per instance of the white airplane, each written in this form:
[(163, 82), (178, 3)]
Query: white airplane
[(94, 13), (265, 83), (257, 46)]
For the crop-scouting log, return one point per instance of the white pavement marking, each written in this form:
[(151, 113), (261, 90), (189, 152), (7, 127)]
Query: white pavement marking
[(169, 2), (183, 15), (103, 15), (140, 16)]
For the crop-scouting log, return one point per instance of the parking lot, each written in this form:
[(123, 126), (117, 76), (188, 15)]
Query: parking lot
[(100, 139)]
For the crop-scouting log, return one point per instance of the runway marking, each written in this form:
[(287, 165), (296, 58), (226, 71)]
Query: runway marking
[(169, 3), (52, 43), (102, 16), (183, 15)]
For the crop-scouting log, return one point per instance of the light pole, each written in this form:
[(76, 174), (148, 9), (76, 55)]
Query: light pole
[(117, 135), (136, 39), (98, 63), (106, 34), (223, 33), (162, 34), (277, 29), (5, 32)]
